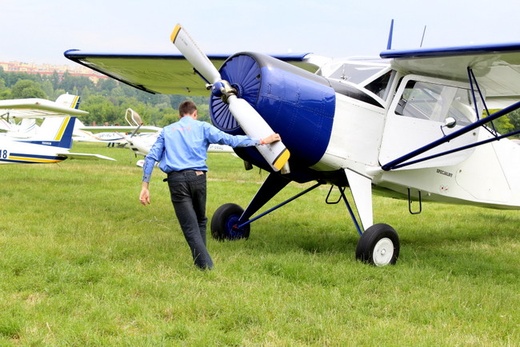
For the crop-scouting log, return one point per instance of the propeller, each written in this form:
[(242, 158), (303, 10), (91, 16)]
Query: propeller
[(276, 154)]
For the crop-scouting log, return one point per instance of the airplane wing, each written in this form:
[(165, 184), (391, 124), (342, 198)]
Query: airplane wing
[(155, 73), (496, 67), (37, 108)]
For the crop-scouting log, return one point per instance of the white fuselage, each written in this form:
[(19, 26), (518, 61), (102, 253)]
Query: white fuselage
[(365, 137), (16, 152)]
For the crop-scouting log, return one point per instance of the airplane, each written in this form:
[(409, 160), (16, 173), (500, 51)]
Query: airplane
[(415, 124), (85, 133), (28, 110), (29, 143)]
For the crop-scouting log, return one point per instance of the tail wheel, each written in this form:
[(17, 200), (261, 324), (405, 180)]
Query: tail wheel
[(379, 245), (224, 223)]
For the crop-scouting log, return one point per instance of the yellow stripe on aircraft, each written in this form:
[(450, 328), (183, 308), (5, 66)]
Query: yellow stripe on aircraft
[(75, 102), (29, 160), (62, 128), (175, 32)]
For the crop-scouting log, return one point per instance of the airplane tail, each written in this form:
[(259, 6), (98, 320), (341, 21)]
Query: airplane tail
[(68, 100), (56, 132)]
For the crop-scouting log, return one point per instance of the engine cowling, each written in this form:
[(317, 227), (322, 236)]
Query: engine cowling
[(297, 104)]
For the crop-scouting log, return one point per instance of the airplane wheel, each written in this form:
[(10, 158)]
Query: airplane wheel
[(224, 221), (379, 245)]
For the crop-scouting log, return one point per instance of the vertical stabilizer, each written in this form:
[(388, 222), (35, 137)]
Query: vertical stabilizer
[(68, 100), (55, 131)]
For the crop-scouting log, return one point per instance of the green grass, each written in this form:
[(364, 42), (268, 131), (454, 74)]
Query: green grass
[(82, 263)]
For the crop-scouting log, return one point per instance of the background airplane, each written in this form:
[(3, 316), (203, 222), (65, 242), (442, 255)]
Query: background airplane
[(84, 133), (27, 142), (408, 124), (18, 116)]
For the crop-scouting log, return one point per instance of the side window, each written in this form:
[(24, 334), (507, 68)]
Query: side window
[(381, 84), (436, 102)]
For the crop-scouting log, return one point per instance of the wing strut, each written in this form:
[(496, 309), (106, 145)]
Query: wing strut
[(361, 188), (403, 161)]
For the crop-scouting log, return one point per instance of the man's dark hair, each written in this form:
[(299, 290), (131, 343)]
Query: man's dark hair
[(187, 107)]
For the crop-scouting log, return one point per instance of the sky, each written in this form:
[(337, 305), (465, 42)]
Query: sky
[(36, 31)]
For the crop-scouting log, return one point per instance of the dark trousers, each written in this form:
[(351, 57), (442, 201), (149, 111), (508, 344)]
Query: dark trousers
[(188, 195)]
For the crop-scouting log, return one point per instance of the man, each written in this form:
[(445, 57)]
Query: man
[(181, 150)]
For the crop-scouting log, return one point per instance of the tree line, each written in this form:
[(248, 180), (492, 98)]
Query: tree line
[(106, 101)]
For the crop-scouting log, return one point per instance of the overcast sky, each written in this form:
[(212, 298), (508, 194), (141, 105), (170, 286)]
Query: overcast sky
[(40, 31)]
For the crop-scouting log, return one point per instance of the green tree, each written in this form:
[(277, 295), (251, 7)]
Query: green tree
[(507, 123), (514, 118), (105, 101), (27, 89), (48, 89), (5, 93), (100, 110)]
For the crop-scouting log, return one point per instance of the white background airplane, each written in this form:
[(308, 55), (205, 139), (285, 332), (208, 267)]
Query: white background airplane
[(18, 116), (28, 143), (409, 123)]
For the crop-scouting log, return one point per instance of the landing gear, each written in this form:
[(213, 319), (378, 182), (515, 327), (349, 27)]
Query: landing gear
[(224, 223), (378, 245)]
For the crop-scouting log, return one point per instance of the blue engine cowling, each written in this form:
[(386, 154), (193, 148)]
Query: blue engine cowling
[(295, 103)]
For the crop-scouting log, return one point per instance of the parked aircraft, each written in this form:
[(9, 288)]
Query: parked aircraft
[(26, 142), (18, 116), (87, 133), (416, 124)]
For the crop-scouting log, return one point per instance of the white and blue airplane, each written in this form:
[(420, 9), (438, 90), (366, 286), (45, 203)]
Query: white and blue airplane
[(25, 142), (416, 124)]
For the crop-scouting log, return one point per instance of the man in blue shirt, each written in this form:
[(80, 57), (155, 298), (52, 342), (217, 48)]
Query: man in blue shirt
[(181, 150)]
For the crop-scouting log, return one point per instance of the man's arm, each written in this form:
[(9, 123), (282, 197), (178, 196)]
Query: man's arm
[(144, 196), (149, 164), (220, 137)]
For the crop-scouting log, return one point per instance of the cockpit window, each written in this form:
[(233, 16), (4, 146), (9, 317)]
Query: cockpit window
[(436, 102), (356, 73), (380, 85)]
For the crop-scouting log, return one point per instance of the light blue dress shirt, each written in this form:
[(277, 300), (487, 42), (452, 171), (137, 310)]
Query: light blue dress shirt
[(183, 145)]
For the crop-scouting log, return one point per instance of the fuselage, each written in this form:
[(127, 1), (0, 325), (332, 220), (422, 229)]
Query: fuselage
[(411, 114), (361, 115), (16, 152)]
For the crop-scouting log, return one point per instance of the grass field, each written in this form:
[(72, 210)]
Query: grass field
[(82, 263)]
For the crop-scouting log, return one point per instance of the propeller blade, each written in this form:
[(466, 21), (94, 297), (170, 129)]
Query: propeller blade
[(276, 154), (194, 55)]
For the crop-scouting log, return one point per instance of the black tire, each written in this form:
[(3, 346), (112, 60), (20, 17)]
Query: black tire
[(224, 222), (379, 245)]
